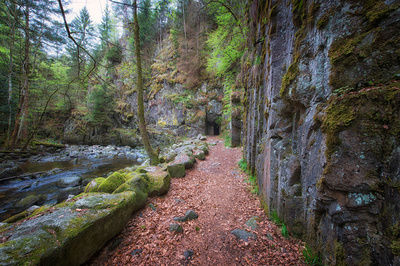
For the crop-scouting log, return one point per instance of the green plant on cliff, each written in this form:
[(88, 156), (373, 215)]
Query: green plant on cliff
[(311, 257)]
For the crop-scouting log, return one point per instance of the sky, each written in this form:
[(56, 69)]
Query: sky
[(95, 8)]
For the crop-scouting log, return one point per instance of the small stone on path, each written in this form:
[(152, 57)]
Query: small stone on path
[(188, 254), (151, 205), (243, 234), (136, 251), (177, 228), (252, 222), (189, 215)]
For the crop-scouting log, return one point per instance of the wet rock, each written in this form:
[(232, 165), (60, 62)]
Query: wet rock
[(30, 200), (188, 254), (70, 181), (189, 215), (177, 228), (252, 222), (32, 208), (243, 234)]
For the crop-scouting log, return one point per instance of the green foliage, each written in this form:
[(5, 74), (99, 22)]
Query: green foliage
[(114, 54), (100, 105), (311, 258), (284, 231), (227, 139), (251, 179), (275, 218), (242, 165)]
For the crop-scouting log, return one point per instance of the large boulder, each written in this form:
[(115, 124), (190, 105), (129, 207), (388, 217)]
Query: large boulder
[(159, 181), (68, 233), (176, 169)]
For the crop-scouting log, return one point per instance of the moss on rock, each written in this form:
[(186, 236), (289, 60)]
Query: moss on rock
[(112, 182), (94, 185), (159, 182)]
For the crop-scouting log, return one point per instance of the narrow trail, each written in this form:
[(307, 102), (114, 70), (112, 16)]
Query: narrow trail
[(216, 190)]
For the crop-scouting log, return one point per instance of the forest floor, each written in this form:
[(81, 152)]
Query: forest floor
[(215, 189)]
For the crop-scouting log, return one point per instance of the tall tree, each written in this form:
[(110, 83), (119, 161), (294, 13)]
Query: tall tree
[(139, 87), (22, 113)]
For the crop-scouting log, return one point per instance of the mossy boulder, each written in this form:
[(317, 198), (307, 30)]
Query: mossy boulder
[(94, 185), (112, 182), (138, 183), (71, 232), (159, 181), (199, 154), (187, 159), (176, 169)]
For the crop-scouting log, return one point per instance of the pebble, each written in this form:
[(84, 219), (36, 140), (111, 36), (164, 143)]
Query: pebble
[(136, 251), (188, 254)]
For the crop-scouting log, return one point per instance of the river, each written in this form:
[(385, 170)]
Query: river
[(52, 178)]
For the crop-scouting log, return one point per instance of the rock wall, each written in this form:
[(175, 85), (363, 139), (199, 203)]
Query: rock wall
[(321, 122)]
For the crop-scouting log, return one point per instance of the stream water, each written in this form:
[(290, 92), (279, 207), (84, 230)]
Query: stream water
[(52, 178)]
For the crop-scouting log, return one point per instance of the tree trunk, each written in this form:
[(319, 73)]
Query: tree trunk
[(139, 87), (20, 125), (10, 70)]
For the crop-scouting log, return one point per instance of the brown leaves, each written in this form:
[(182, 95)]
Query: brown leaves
[(223, 203)]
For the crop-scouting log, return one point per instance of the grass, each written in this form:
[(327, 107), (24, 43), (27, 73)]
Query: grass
[(227, 139), (251, 179), (311, 258)]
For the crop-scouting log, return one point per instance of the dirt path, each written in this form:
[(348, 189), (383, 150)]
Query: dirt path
[(216, 191)]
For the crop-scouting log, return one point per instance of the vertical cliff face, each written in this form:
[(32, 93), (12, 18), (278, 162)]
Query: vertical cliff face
[(321, 123)]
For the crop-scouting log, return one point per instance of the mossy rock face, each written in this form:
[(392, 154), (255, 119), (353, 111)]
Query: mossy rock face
[(159, 181), (94, 185), (112, 182), (71, 232)]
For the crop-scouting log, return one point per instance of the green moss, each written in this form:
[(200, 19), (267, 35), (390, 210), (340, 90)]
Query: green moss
[(375, 111), (290, 75), (112, 182), (94, 185), (339, 254), (17, 217), (339, 115), (395, 246), (345, 47), (380, 10)]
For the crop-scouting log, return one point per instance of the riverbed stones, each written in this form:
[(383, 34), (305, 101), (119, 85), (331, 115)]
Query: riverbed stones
[(30, 200), (69, 181)]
